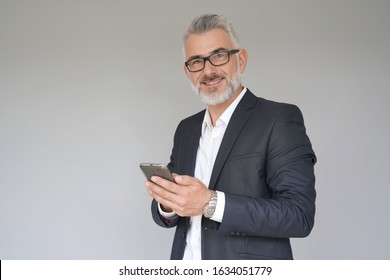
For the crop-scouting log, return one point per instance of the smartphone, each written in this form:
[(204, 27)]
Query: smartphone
[(156, 169)]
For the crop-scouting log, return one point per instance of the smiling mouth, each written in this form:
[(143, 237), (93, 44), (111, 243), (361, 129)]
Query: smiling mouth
[(212, 81)]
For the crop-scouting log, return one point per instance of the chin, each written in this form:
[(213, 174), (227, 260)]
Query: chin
[(214, 98)]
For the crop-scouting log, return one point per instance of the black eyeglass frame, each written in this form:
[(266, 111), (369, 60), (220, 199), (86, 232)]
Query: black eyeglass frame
[(207, 58)]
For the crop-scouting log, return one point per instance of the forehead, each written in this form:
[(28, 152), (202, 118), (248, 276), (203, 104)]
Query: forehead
[(205, 43)]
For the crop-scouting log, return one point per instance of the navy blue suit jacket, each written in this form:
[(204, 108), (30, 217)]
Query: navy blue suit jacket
[(265, 168)]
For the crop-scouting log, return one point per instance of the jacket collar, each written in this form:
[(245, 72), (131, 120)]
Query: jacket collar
[(240, 116)]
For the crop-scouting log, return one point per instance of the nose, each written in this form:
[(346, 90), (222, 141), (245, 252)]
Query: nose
[(208, 68)]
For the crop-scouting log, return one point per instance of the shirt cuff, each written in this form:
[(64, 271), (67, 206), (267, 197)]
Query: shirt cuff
[(220, 208), (167, 215)]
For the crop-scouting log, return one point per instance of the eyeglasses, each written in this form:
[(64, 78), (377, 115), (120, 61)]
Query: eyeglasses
[(218, 58)]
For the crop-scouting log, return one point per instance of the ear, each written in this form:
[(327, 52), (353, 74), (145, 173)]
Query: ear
[(186, 71), (242, 59)]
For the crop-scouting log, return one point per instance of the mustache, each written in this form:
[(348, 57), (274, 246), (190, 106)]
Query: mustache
[(208, 78)]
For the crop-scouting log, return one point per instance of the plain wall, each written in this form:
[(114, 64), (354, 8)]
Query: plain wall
[(89, 89)]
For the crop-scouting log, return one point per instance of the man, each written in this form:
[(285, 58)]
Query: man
[(243, 168)]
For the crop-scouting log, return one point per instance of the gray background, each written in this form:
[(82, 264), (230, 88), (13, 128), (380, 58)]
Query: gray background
[(88, 89)]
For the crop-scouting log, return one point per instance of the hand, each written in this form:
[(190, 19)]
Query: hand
[(186, 196)]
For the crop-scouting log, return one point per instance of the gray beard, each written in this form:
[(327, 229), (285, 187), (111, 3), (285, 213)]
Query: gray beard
[(217, 99)]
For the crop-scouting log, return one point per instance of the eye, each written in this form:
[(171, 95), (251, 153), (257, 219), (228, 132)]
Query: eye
[(196, 61), (220, 55)]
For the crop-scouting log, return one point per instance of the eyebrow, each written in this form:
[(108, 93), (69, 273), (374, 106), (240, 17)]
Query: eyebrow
[(199, 56)]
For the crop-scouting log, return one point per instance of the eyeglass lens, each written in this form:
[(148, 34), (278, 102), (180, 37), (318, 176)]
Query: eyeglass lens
[(215, 59)]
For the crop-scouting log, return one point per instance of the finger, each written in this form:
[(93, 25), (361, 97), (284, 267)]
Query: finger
[(163, 197), (160, 193), (164, 203), (185, 180), (166, 184), (148, 188)]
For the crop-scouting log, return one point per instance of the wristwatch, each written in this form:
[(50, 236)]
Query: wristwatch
[(209, 208)]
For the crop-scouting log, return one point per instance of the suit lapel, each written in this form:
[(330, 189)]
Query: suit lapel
[(240, 116), (193, 144)]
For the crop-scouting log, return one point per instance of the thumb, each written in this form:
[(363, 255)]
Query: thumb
[(185, 180)]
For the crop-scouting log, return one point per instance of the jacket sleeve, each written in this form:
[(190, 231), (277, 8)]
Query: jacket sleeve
[(289, 210), (158, 219)]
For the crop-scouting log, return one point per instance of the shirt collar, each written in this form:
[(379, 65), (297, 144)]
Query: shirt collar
[(226, 115)]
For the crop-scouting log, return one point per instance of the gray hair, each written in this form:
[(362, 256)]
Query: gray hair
[(208, 22)]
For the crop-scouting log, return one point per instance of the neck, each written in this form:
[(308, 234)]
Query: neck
[(216, 111)]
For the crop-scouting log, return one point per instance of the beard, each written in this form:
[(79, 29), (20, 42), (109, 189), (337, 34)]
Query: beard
[(218, 98)]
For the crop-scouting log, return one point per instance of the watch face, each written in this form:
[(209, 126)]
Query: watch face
[(209, 208)]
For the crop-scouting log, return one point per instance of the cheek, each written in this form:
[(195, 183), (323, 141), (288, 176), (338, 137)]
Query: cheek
[(233, 72), (195, 79)]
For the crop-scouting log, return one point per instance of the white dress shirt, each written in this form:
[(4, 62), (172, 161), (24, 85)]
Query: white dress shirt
[(209, 144)]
